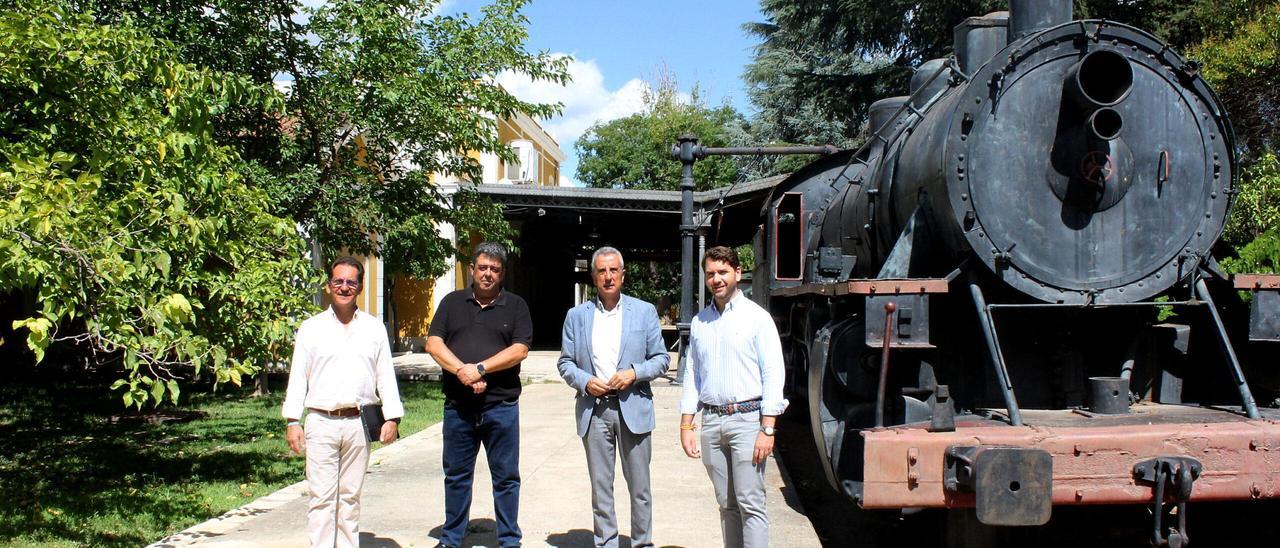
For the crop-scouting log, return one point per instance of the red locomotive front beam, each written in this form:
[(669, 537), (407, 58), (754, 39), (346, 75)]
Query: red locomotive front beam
[(1091, 465), (1256, 281)]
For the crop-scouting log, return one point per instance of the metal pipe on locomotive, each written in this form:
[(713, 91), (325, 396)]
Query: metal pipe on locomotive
[(1030, 214)]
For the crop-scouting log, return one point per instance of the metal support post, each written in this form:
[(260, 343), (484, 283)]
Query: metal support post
[(688, 151), (1237, 374), (997, 357), (688, 154), (697, 272)]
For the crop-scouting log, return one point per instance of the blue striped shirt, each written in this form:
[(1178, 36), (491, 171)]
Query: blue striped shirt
[(734, 356)]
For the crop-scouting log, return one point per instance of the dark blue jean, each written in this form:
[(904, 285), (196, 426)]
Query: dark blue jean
[(497, 427)]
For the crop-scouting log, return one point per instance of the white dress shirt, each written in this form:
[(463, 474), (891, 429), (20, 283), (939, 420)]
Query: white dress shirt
[(336, 366), (734, 356), (606, 340)]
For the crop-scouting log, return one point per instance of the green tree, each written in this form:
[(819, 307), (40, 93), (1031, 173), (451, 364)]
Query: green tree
[(133, 227), (1241, 58), (820, 65), (383, 98), (635, 152)]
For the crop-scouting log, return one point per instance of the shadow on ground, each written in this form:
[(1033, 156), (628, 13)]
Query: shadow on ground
[(480, 532), (371, 540)]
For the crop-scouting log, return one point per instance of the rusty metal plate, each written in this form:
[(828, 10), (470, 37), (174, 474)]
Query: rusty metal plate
[(898, 286), (1091, 465), (1256, 281), (829, 289)]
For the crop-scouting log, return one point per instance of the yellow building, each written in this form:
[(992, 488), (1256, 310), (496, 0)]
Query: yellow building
[(406, 305), (412, 302)]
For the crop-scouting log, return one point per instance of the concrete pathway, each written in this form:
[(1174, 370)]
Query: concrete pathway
[(403, 501)]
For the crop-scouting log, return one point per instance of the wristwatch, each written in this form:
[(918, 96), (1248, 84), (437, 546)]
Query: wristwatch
[(480, 368), (768, 430)]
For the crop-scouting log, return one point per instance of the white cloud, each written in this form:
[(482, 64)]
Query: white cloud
[(586, 99)]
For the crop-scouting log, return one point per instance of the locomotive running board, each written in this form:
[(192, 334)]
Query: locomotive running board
[(906, 466)]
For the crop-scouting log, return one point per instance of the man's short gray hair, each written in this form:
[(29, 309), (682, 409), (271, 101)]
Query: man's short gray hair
[(606, 250), (491, 250)]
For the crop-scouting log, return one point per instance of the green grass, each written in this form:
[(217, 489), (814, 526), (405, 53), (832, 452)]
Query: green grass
[(71, 476)]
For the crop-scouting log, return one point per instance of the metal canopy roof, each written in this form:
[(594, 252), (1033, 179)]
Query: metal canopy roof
[(560, 226), (623, 199)]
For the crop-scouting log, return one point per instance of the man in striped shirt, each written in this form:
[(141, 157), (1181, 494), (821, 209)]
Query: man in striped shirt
[(735, 356)]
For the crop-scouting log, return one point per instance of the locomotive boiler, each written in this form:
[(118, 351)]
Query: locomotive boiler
[(1006, 299)]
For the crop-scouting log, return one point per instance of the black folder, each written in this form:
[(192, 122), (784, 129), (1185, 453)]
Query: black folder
[(372, 419)]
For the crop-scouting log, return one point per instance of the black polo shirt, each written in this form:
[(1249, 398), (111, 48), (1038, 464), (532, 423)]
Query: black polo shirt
[(475, 334)]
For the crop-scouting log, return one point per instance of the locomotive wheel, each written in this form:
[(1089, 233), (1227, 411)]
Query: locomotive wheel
[(836, 414)]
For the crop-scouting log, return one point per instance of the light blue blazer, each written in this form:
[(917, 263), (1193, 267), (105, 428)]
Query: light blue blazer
[(641, 350)]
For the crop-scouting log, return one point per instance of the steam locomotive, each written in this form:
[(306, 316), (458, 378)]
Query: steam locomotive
[(1006, 299)]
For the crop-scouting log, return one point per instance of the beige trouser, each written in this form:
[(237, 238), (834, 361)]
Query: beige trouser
[(337, 457)]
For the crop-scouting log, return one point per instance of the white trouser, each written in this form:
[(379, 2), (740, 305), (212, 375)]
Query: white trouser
[(337, 457)]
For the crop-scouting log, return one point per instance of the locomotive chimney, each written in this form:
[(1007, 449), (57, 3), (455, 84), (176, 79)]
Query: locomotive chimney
[(1102, 78), (1097, 82), (1029, 16)]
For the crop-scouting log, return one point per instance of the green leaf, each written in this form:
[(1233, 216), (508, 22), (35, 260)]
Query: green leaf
[(39, 338), (162, 261), (176, 308), (173, 391), (157, 391)]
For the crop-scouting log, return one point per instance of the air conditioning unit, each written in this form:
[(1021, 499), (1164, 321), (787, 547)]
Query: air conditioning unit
[(525, 169)]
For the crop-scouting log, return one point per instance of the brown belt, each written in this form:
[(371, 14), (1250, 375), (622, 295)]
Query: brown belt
[(344, 412)]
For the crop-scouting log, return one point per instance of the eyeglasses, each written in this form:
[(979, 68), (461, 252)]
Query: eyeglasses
[(339, 282)]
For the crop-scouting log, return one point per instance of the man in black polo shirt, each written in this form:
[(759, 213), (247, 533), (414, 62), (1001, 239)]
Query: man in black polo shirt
[(479, 336)]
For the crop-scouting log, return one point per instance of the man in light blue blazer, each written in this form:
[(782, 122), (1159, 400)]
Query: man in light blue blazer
[(612, 348)]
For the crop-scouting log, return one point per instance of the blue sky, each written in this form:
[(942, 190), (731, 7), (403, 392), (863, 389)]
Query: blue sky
[(619, 46)]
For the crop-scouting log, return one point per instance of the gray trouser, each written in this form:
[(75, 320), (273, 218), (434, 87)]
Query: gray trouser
[(606, 435), (727, 444)]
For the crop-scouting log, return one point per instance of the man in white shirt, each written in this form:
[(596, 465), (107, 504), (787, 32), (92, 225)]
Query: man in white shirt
[(610, 351), (735, 356), (341, 361)]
